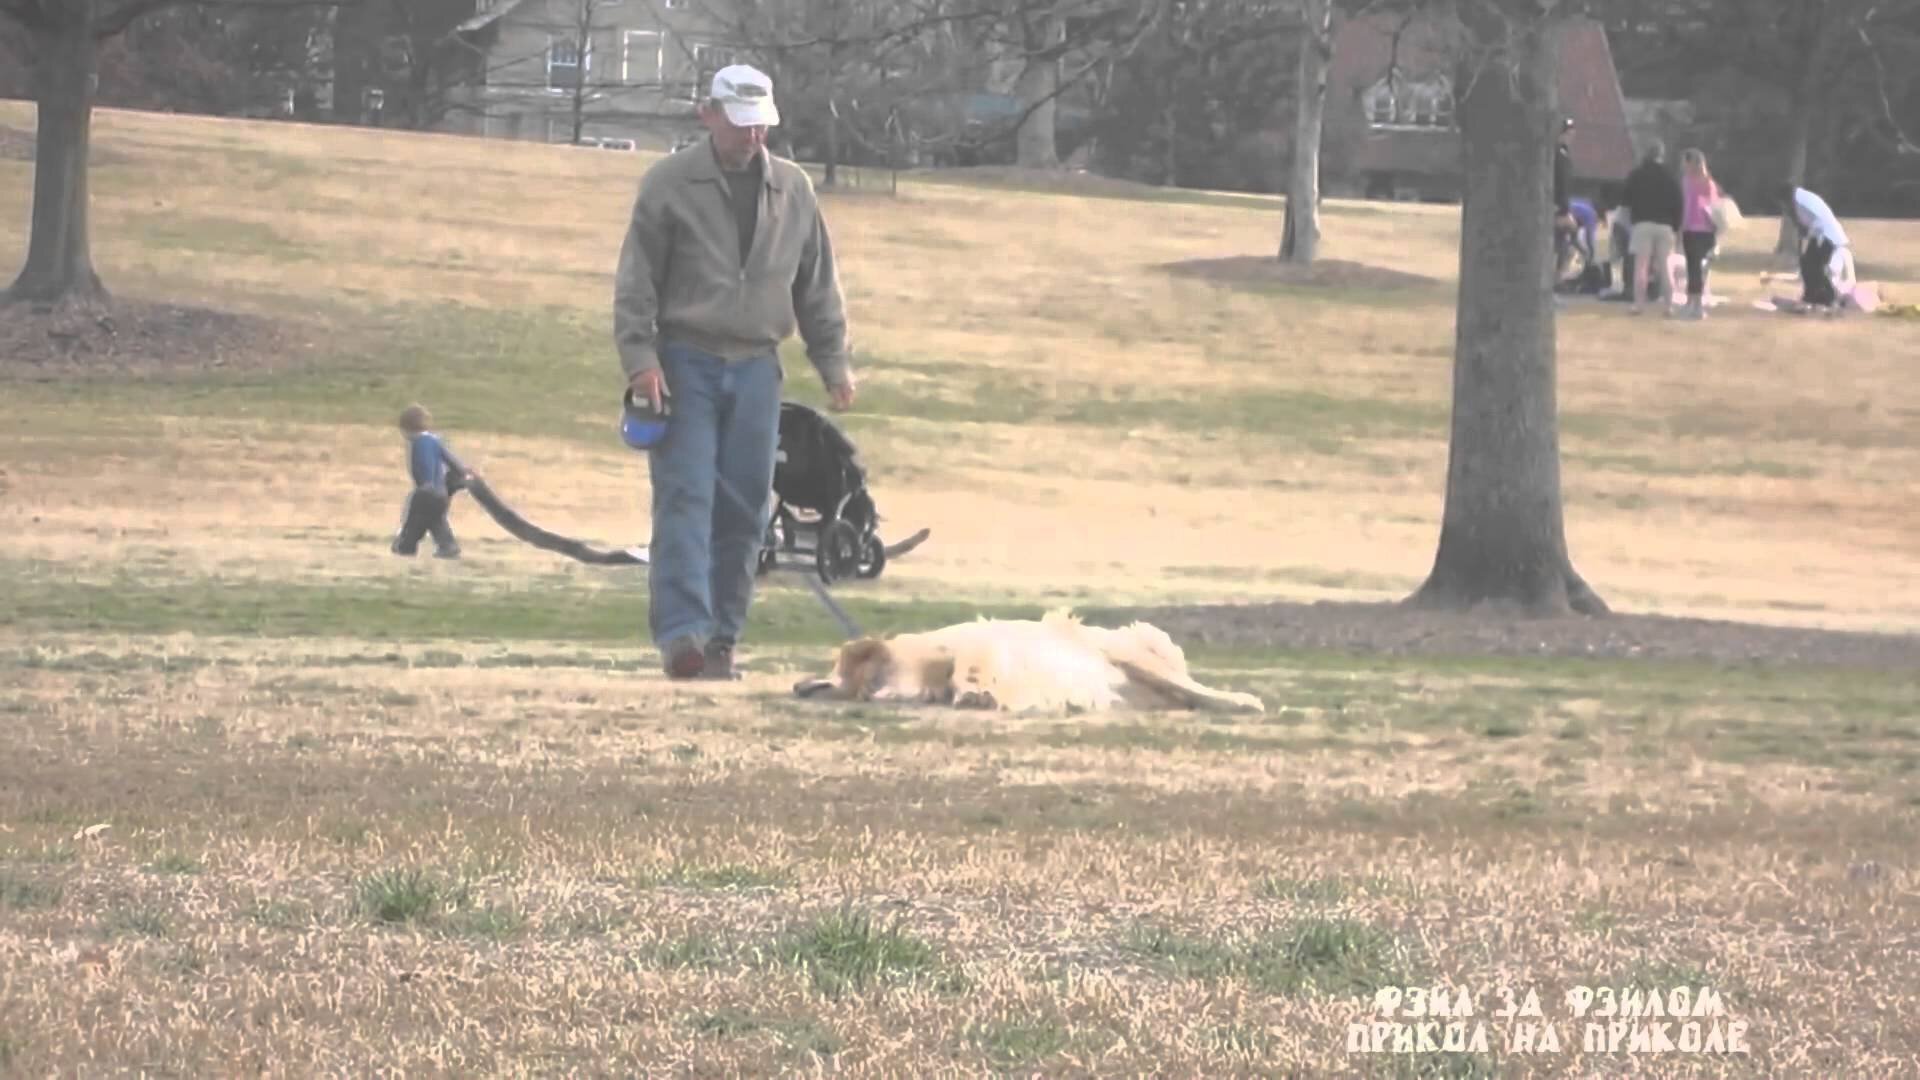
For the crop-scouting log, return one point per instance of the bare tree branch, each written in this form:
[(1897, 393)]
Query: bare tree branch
[(113, 22), (24, 12), (108, 24), (1901, 142)]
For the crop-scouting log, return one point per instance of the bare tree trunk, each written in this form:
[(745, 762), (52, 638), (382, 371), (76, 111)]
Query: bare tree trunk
[(1811, 37), (1038, 89), (1788, 242), (1502, 537), (59, 266), (579, 103), (832, 176), (1300, 238)]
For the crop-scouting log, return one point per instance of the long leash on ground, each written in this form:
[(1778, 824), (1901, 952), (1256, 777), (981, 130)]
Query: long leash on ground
[(522, 529), (847, 626)]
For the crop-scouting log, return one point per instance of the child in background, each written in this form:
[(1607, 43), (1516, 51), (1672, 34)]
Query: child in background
[(432, 470)]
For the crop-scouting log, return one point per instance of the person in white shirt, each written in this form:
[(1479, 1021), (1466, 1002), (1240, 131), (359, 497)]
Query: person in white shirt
[(1822, 244)]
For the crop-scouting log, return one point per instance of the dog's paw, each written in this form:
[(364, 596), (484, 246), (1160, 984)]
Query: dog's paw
[(975, 699), (807, 688)]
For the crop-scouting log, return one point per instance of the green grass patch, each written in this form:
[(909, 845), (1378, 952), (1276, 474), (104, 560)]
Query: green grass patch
[(1010, 1044), (1308, 956), (692, 951), (215, 236), (175, 862), (848, 950), (408, 895), (1318, 890), (784, 613), (135, 922), (797, 1035), (491, 923), (26, 894)]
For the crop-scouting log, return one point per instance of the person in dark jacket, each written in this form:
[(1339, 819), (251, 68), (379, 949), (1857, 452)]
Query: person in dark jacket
[(1653, 199), (1565, 227)]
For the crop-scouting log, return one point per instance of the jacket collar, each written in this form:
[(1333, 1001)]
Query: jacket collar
[(705, 166)]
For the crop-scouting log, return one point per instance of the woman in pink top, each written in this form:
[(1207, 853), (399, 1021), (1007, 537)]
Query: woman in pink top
[(1698, 193)]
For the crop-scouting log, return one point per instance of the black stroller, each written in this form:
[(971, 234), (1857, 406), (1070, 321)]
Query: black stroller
[(820, 488)]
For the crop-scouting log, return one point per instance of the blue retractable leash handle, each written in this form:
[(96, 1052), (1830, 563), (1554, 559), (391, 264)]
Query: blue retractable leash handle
[(642, 427)]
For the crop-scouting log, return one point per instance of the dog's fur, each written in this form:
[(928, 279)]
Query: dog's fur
[(1057, 664)]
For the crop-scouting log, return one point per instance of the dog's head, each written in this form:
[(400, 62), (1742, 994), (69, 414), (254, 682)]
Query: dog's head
[(860, 671)]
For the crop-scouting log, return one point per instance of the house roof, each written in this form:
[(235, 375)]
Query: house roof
[(491, 14), (1363, 48)]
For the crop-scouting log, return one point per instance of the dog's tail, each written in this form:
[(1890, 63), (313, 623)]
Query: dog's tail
[(1180, 689)]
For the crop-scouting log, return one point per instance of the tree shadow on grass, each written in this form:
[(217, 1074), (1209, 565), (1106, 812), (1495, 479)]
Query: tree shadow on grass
[(1265, 274)]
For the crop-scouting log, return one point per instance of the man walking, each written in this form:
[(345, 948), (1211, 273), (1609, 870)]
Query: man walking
[(1653, 199), (726, 255)]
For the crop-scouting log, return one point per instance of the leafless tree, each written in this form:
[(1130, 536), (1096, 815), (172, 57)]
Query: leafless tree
[(66, 37)]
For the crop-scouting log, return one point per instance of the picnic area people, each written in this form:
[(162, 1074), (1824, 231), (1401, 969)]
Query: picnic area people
[(1653, 198), (1699, 193), (435, 477), (726, 254)]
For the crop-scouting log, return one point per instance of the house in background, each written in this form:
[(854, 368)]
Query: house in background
[(635, 67), (1390, 129)]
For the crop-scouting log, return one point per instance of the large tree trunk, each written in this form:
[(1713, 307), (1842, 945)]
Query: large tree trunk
[(1038, 89), (59, 266), (1502, 537), (1810, 37), (1300, 237)]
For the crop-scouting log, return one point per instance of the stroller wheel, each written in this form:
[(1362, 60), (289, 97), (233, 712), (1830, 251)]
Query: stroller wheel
[(838, 552), (873, 557)]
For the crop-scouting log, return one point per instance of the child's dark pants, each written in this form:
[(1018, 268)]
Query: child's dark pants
[(426, 512)]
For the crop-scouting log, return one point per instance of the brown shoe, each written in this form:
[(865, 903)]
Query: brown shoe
[(683, 658), (718, 657)]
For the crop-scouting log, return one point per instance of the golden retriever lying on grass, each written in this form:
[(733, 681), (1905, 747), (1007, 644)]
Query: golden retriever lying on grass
[(1057, 664)]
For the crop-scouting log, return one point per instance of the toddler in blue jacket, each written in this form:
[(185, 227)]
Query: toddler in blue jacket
[(436, 476)]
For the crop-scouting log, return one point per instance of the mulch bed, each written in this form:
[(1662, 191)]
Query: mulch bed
[(1326, 273), (1388, 629), (131, 337)]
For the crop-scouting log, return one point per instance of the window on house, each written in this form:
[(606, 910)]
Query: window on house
[(1379, 102), (706, 61), (640, 56), (565, 65), (1394, 102)]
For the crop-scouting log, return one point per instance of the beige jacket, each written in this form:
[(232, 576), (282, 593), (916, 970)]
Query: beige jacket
[(680, 276)]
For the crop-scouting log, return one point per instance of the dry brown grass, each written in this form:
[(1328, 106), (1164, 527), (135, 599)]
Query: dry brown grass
[(618, 862), (621, 863)]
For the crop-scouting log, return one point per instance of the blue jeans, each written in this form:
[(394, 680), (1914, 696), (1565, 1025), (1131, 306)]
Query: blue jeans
[(712, 482)]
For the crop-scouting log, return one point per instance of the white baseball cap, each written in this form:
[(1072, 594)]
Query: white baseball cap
[(747, 94)]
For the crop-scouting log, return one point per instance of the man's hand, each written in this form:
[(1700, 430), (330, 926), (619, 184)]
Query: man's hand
[(651, 385), (840, 395)]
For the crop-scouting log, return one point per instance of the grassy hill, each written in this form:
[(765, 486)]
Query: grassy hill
[(1035, 364), (275, 801)]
